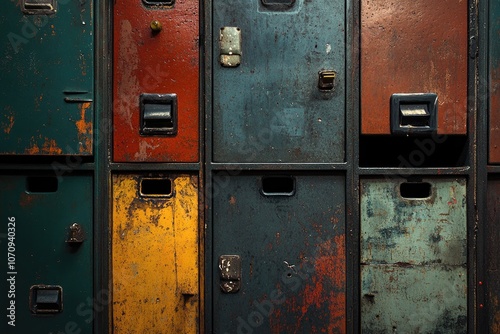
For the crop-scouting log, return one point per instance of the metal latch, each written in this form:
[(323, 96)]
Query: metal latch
[(230, 46), (326, 80), (414, 113), (230, 273), (76, 235), (37, 7)]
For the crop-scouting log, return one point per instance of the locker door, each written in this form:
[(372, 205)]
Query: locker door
[(492, 250), (414, 47), (155, 254), (494, 82), (278, 81), (413, 256), (156, 81), (46, 237), (47, 68), (279, 254)]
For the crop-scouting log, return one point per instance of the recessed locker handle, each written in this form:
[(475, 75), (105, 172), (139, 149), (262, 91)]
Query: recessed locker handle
[(155, 187), (414, 113), (158, 114), (280, 185), (415, 190)]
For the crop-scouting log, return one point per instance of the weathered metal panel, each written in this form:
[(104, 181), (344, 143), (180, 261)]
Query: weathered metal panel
[(273, 107), (414, 46), (156, 51), (34, 234), (494, 81), (413, 257), (47, 80), (291, 246), (155, 256), (492, 234)]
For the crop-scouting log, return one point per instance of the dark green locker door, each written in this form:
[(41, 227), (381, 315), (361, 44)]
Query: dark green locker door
[(279, 254), (278, 81), (47, 66), (46, 247)]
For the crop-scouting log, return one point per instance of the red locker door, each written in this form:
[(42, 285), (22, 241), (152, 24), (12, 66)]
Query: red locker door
[(156, 80), (412, 47)]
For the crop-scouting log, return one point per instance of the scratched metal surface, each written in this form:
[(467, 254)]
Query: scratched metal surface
[(47, 84), (42, 255), (494, 81), (269, 108), (403, 52), (292, 253), (413, 258)]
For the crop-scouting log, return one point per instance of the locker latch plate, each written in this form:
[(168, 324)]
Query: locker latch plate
[(326, 80), (230, 273), (230, 46)]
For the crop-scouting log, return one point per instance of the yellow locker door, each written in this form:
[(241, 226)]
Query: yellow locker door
[(155, 254)]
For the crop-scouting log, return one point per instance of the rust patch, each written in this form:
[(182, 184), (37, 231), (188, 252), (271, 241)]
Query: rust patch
[(7, 128), (494, 154), (84, 129), (25, 200), (50, 147), (325, 286)]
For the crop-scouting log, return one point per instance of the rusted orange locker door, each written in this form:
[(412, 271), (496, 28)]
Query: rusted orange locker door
[(155, 254), (416, 49), (494, 81), (156, 69)]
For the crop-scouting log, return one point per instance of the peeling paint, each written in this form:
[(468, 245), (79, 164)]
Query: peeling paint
[(84, 128)]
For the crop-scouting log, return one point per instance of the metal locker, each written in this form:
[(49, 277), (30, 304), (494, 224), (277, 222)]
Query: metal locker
[(492, 282), (155, 254), (156, 81), (279, 254), (278, 81), (414, 66), (413, 256), (494, 82), (46, 239), (47, 88)]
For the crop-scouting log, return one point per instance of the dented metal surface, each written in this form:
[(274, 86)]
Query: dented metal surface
[(292, 254), (156, 51), (155, 256), (269, 108), (494, 82), (47, 85), (413, 257), (37, 210), (414, 46)]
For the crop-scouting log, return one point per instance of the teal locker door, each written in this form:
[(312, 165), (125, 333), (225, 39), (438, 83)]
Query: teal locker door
[(46, 246), (278, 81), (47, 66), (413, 256)]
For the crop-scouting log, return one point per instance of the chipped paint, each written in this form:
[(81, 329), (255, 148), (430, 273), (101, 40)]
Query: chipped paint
[(84, 128), (413, 258), (414, 57), (155, 63), (7, 128), (155, 258)]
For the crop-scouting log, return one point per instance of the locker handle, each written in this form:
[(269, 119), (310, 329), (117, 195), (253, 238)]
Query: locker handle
[(413, 113), (46, 299), (37, 7), (41, 184), (280, 185), (230, 273), (230, 46), (415, 190), (158, 114), (155, 187)]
